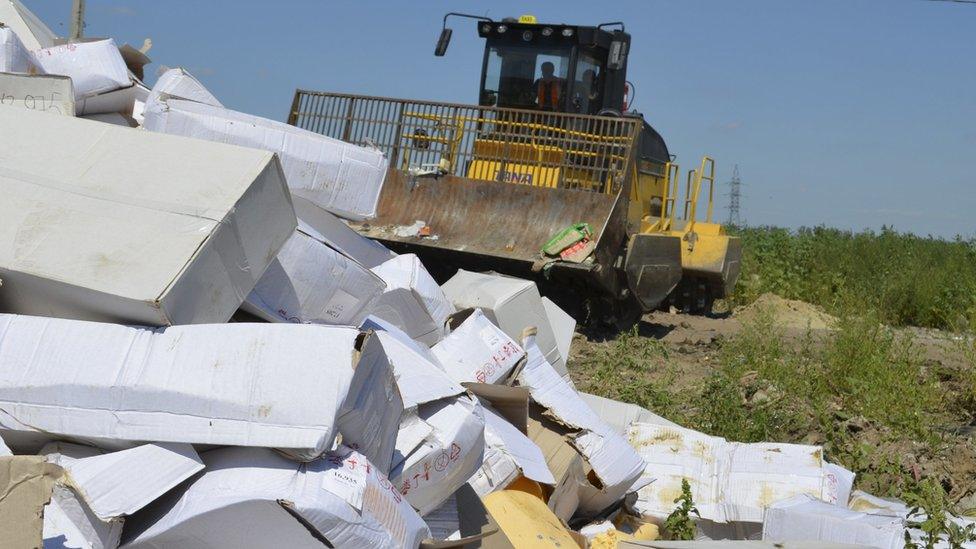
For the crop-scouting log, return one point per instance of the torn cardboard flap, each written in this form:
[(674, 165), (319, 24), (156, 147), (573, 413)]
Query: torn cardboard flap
[(478, 351), (26, 483), (118, 484), (283, 504), (286, 386), (418, 373)]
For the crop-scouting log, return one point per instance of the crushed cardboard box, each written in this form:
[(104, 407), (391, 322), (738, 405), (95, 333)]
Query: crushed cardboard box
[(99, 490), (37, 92), (513, 304), (310, 282), (730, 482), (615, 463), (340, 177), (509, 452), (412, 300), (128, 226), (252, 497), (478, 351), (287, 386)]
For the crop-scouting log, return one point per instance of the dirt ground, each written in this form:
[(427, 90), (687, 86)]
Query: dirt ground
[(693, 345)]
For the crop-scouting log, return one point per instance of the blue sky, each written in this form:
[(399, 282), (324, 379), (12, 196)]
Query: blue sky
[(847, 113)]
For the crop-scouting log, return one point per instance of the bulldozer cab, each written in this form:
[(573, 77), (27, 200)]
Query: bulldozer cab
[(559, 68)]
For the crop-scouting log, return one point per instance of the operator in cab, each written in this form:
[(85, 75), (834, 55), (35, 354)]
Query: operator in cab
[(549, 89)]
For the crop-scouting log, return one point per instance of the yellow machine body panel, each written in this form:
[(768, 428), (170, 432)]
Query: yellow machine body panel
[(520, 163)]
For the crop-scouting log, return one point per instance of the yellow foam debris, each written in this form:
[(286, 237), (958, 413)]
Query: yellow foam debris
[(610, 538), (527, 521)]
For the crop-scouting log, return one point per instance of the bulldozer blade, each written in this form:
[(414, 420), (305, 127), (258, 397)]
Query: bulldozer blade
[(477, 224)]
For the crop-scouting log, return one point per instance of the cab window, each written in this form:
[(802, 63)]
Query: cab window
[(526, 77)]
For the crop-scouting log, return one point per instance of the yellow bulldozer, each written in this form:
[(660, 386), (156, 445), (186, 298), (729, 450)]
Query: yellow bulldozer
[(548, 177)]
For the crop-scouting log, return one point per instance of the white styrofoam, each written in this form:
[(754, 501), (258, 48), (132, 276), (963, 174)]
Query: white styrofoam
[(478, 351), (512, 303), (94, 67), (309, 282), (37, 92), (806, 518), (14, 57), (287, 386), (341, 236), (730, 481), (615, 462), (444, 460), (254, 498), (412, 301), (181, 84), (133, 227), (340, 177)]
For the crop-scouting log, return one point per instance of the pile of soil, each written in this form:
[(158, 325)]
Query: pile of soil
[(787, 313)]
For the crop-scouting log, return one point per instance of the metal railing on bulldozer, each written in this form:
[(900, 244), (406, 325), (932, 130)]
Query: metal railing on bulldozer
[(518, 146)]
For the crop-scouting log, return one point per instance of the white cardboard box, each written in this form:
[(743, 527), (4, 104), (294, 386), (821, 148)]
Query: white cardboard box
[(287, 386), (341, 236), (412, 301), (94, 67), (620, 415), (504, 443), (478, 351), (512, 303), (38, 92), (806, 518), (614, 461), (343, 178), (120, 100), (181, 84), (309, 282), (14, 57), (730, 481), (106, 223), (253, 498)]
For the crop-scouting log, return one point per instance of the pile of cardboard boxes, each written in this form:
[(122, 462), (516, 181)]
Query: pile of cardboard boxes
[(197, 351)]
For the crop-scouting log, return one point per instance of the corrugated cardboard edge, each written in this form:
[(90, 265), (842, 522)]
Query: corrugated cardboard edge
[(26, 483)]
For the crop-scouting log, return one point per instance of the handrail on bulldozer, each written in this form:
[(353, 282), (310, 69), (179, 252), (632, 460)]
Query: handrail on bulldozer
[(693, 187), (671, 173)]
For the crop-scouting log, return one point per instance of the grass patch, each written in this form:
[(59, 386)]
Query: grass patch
[(905, 279)]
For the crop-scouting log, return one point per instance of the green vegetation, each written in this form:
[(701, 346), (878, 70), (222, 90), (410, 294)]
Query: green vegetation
[(907, 280), (679, 525)]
